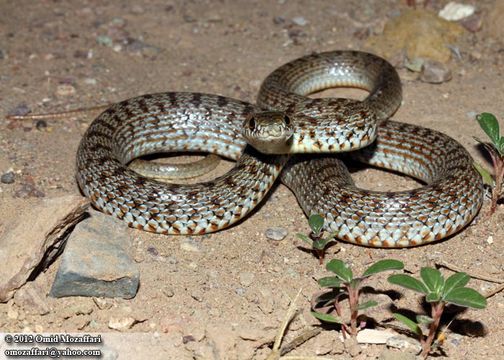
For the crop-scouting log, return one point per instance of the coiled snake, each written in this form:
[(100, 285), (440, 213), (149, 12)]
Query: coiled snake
[(284, 121)]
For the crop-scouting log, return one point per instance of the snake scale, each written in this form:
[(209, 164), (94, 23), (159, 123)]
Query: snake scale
[(292, 123)]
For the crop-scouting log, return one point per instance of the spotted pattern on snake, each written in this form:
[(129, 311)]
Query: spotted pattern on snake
[(209, 123)]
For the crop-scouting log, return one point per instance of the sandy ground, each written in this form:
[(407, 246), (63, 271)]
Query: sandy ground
[(227, 296)]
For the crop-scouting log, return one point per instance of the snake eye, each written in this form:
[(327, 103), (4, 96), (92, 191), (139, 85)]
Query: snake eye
[(287, 120), (252, 123)]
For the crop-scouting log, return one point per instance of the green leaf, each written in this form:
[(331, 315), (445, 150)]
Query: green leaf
[(329, 281), (424, 319), (305, 238), (326, 299), (488, 122), (316, 223), (383, 265), (485, 174), (467, 297), (500, 146), (433, 279), (320, 244), (433, 297), (367, 305), (340, 269), (413, 326), (408, 282), (456, 280), (326, 317)]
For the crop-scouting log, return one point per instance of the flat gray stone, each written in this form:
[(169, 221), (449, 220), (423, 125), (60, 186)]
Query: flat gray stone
[(35, 238), (96, 261)]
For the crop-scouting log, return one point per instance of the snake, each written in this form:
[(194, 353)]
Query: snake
[(289, 136)]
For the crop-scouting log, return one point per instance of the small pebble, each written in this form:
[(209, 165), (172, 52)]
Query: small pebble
[(299, 20), (472, 23), (278, 20), (197, 295), (187, 338), (8, 178), (168, 292), (240, 291), (2, 54), (20, 110), (490, 240), (121, 323), (104, 40), (435, 72), (152, 250), (41, 125), (90, 81), (190, 245), (102, 303), (455, 11), (403, 343), (64, 90), (28, 190), (246, 278), (276, 233)]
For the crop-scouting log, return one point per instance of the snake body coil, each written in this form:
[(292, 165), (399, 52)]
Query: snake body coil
[(209, 123)]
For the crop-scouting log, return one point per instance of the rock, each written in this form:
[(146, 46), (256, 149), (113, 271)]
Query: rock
[(374, 336), (121, 324), (81, 308), (455, 11), (28, 189), (472, 23), (41, 125), (8, 177), (421, 33), (96, 261), (189, 244), (435, 72), (28, 248), (276, 233), (64, 90), (103, 303), (31, 298), (388, 354), (404, 343), (19, 110), (352, 347), (300, 21), (246, 278), (168, 291)]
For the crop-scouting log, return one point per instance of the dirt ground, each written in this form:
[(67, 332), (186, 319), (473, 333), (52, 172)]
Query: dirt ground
[(226, 295)]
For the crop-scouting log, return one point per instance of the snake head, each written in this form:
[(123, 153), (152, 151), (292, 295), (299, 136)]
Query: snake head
[(269, 132)]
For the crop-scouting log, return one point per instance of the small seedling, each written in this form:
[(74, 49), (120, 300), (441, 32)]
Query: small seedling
[(488, 122), (438, 292), (344, 285), (318, 243)]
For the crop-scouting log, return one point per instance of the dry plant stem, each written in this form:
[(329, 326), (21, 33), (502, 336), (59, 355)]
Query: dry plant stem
[(59, 114), (474, 275), (497, 290), (275, 353), (437, 311)]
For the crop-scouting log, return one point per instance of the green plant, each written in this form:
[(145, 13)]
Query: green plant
[(318, 243), (488, 122), (344, 285), (438, 292)]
